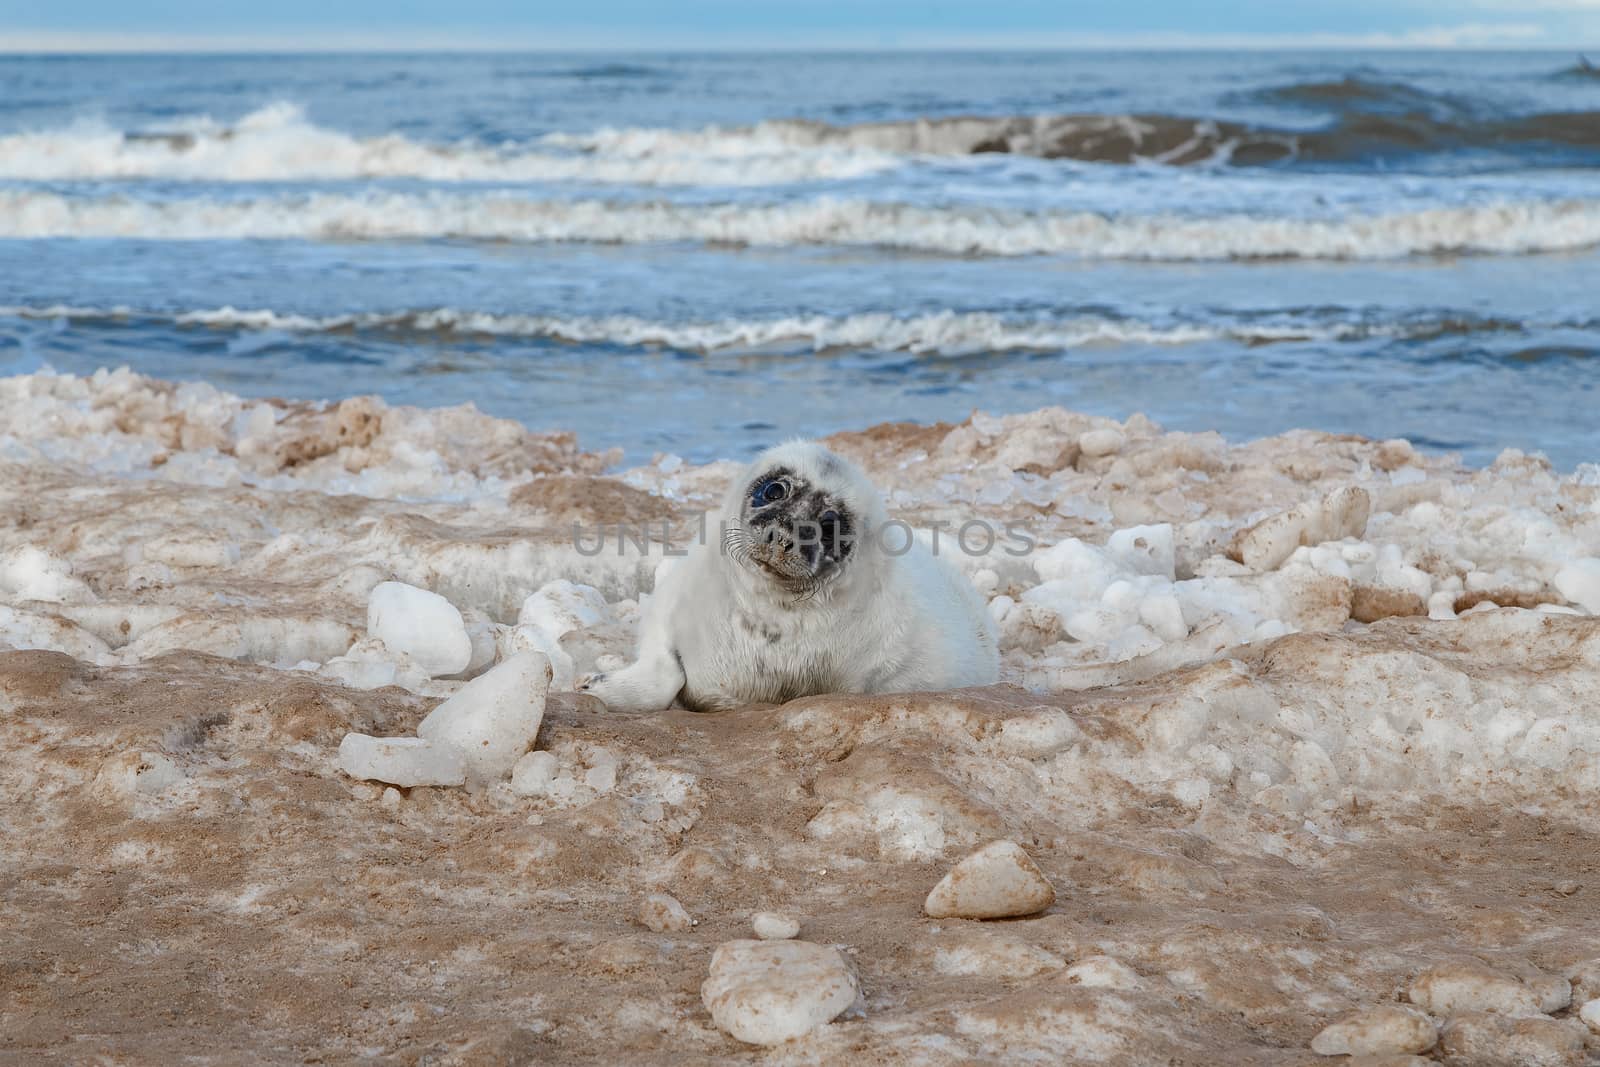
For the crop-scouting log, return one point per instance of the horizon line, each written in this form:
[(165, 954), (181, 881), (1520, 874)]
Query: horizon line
[(1476, 37)]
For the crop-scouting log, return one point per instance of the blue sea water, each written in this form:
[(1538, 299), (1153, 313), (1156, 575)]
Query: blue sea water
[(705, 254)]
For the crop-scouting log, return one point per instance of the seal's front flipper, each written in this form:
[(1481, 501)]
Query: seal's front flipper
[(647, 685)]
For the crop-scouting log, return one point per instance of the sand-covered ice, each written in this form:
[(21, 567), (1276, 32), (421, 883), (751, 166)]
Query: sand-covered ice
[(1304, 733)]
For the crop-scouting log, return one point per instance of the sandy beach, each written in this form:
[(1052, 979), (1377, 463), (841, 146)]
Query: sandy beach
[(1298, 729)]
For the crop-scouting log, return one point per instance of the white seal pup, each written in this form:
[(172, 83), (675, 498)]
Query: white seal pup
[(808, 592)]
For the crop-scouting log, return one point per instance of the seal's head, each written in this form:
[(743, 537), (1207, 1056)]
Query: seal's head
[(800, 516)]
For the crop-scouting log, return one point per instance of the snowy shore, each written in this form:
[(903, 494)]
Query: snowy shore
[(1296, 728)]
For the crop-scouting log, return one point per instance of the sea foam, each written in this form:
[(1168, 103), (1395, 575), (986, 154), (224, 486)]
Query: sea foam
[(946, 333), (277, 143), (1509, 227)]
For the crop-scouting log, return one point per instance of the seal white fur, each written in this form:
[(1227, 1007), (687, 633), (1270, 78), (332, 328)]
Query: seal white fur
[(722, 630)]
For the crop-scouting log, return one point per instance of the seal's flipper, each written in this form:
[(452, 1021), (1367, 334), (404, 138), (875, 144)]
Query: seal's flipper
[(646, 685)]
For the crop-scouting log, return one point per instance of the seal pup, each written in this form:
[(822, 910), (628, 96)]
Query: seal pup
[(808, 592)]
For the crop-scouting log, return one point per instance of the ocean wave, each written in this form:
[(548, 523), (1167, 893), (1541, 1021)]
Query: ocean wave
[(277, 143), (946, 333), (1522, 227), (1155, 139), (1582, 70), (1366, 95), (1373, 121)]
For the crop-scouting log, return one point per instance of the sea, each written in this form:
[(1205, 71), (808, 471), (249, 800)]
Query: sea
[(705, 254)]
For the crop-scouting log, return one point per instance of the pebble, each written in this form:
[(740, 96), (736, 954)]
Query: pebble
[(768, 992), (998, 881), (662, 913), (774, 926), (1390, 1028), (1463, 987), (1590, 1014), (1483, 1039)]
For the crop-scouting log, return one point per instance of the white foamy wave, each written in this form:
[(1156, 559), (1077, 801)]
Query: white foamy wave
[(1089, 137), (943, 333), (277, 143), (1503, 228), (946, 333)]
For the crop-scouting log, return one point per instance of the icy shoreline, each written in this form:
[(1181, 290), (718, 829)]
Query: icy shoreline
[(1242, 683)]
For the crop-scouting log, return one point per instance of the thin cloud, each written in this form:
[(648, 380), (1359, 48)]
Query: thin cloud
[(1576, 7)]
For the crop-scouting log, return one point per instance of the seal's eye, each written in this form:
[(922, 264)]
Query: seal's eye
[(769, 491)]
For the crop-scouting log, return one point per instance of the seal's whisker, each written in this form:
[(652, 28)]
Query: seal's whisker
[(736, 544)]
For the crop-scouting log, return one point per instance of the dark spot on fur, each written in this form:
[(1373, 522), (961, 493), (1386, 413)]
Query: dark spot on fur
[(760, 628)]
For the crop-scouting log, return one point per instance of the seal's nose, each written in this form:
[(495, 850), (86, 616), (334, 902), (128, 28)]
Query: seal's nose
[(831, 532), (777, 543)]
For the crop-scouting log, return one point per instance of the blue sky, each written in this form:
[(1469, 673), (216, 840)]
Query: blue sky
[(96, 24)]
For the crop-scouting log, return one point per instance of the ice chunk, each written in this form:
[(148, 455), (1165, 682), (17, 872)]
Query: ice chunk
[(422, 625), (29, 572), (532, 775), (1535, 1041), (493, 719), (483, 633), (285, 639), (1102, 972), (371, 664), (190, 550), (1342, 513), (602, 773), (1470, 986), (1144, 550), (996, 882), (557, 608), (22, 629), (402, 761), (1386, 1029), (516, 640), (1579, 582), (560, 607), (139, 773), (995, 956), (767, 992), (1101, 442)]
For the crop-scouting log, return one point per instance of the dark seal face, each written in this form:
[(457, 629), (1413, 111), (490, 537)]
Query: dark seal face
[(799, 534)]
